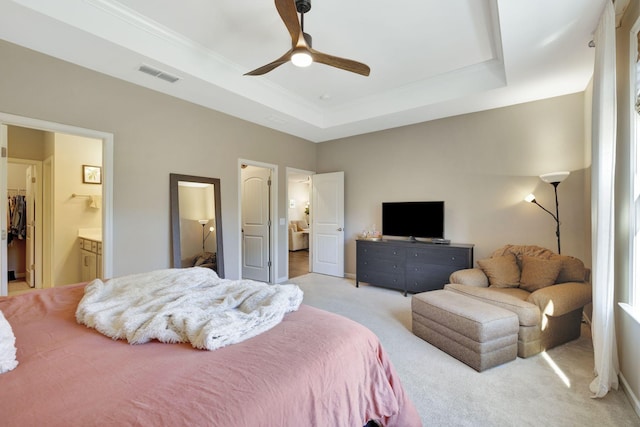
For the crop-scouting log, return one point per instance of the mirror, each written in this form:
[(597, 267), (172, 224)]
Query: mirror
[(196, 222)]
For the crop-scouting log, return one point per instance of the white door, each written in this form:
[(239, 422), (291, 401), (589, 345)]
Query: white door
[(3, 211), (327, 219), (256, 223), (31, 226)]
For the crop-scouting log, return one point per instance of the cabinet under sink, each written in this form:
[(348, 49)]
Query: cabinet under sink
[(91, 259)]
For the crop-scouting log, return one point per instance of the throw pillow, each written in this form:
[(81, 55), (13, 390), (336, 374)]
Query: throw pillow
[(538, 273), (572, 269), (7, 346), (502, 271)]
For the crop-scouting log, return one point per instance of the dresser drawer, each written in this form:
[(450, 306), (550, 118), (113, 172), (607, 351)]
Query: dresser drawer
[(422, 278), (443, 256), (385, 279), (381, 265), (373, 250)]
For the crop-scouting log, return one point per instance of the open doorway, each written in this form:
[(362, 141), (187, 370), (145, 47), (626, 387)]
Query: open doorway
[(66, 231), (72, 173), (299, 205)]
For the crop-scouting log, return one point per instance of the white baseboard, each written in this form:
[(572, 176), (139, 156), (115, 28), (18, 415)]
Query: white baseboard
[(346, 275), (633, 399)]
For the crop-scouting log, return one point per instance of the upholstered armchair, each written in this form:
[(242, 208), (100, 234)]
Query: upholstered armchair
[(206, 260), (298, 235), (547, 291)]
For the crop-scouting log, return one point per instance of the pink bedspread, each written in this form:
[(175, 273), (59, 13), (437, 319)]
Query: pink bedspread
[(313, 369)]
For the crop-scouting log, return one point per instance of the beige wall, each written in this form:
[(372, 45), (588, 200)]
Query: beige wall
[(299, 193), (482, 165), (26, 143), (17, 176), (628, 329), (154, 135), (71, 214)]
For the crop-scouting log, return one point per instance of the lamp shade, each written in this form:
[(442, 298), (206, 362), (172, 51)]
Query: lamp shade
[(553, 177), (530, 198)]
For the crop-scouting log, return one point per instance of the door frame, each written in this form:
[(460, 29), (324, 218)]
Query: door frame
[(39, 216), (273, 212), (288, 172), (107, 182)]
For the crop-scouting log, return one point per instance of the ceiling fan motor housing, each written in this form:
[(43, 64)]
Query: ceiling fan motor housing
[(303, 6), (308, 39)]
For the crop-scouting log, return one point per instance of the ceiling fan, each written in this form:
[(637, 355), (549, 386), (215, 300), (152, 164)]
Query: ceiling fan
[(301, 53)]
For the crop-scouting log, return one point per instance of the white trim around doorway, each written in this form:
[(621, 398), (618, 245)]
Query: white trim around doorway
[(288, 172), (107, 176)]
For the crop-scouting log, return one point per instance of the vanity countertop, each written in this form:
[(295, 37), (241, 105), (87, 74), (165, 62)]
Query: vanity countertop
[(94, 234)]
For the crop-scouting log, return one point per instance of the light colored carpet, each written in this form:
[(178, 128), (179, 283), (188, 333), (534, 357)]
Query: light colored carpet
[(18, 287), (446, 392)]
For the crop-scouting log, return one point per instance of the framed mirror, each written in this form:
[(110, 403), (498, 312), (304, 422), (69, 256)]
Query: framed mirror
[(196, 222)]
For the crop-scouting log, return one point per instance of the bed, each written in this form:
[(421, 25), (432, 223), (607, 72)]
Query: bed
[(314, 368)]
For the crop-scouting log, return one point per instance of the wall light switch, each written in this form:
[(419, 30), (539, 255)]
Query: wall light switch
[(282, 221)]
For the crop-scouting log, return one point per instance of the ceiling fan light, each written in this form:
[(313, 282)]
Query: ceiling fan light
[(301, 59)]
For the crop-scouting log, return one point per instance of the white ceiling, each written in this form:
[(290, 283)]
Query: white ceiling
[(429, 59)]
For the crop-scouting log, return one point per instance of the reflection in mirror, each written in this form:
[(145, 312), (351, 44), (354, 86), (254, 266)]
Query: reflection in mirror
[(196, 222)]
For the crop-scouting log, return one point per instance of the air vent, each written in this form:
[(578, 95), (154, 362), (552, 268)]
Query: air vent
[(163, 75)]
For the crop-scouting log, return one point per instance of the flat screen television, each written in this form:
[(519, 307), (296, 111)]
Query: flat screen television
[(413, 219)]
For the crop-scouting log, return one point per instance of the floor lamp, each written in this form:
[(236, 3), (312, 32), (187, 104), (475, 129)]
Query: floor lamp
[(204, 222), (554, 178)]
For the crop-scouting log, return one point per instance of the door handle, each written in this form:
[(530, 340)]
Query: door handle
[(340, 229)]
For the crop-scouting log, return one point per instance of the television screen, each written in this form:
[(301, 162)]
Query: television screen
[(413, 219)]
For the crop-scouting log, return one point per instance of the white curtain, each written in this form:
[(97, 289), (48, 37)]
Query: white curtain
[(602, 205)]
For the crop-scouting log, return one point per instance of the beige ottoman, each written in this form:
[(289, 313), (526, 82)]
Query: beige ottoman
[(474, 332)]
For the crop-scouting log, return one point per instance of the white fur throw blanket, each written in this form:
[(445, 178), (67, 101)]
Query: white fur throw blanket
[(185, 305)]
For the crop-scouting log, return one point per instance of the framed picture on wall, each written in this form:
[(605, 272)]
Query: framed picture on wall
[(91, 174)]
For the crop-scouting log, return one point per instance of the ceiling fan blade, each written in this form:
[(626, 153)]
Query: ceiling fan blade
[(289, 15), (342, 63), (270, 66)]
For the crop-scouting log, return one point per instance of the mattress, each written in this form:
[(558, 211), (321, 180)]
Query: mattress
[(315, 368)]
